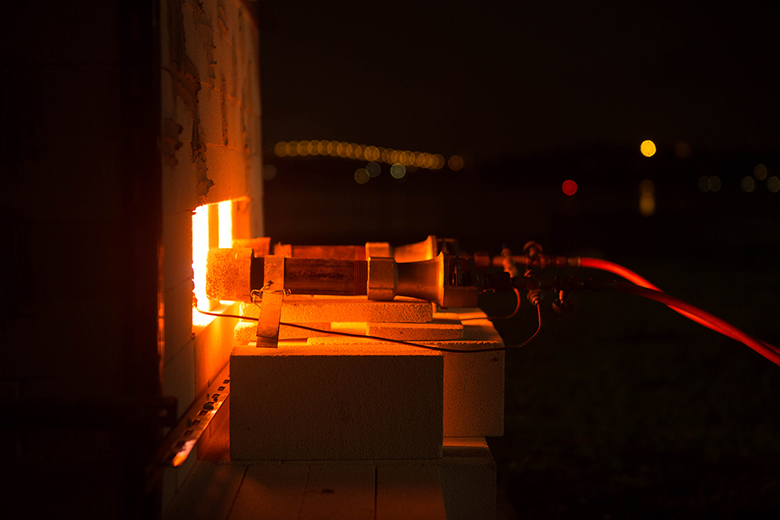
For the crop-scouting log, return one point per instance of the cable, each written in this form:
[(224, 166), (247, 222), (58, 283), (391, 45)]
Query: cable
[(631, 276), (398, 341), (770, 352)]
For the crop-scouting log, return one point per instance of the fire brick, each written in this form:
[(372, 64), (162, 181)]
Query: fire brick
[(337, 403)]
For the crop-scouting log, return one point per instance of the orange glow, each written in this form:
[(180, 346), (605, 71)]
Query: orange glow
[(569, 187), (200, 247), (303, 148), (280, 149), (682, 150), (647, 148), (292, 148), (202, 240), (439, 164), (225, 224), (455, 163), (646, 198)]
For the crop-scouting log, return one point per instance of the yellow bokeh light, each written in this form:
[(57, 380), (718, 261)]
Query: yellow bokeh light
[(760, 172), (281, 149), (292, 148), (647, 148), (773, 184), (398, 171), (748, 184)]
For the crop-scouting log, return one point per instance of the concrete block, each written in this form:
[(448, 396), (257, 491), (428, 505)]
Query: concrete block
[(246, 331), (178, 317), (437, 329), (212, 349), (340, 492), (179, 377), (468, 479), (303, 308), (473, 383), (207, 494), (177, 247), (345, 402), (409, 492), (270, 491)]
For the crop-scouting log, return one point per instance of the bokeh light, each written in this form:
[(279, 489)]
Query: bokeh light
[(411, 160), (269, 172), (646, 198), (714, 183), (373, 169), (397, 171), (362, 176), (682, 150), (747, 184), (759, 172), (704, 183), (647, 148), (773, 184), (455, 162), (569, 187)]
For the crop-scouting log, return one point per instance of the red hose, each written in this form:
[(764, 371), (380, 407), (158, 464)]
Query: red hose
[(634, 278), (770, 352)]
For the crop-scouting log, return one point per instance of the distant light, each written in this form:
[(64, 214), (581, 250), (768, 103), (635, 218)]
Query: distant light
[(759, 172), (747, 184), (569, 187), (647, 148), (269, 172), (438, 161), (646, 198), (398, 171), (362, 176), (280, 149), (455, 163), (373, 169), (773, 184), (303, 148), (682, 150), (292, 148), (704, 183), (714, 183)]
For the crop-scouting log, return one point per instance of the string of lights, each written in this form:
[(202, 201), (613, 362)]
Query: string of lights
[(362, 152)]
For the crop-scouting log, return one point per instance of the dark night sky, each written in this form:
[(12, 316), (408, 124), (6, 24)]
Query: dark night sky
[(499, 78)]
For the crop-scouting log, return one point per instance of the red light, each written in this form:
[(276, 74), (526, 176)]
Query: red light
[(569, 187)]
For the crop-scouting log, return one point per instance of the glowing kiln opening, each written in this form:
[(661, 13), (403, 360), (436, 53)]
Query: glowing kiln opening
[(212, 226)]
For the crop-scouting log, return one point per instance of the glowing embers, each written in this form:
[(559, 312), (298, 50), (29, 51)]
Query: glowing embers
[(212, 226)]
